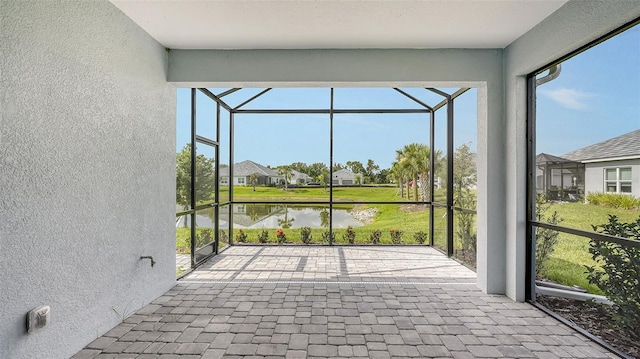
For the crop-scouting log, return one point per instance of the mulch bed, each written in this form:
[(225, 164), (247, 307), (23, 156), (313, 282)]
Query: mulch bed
[(595, 319)]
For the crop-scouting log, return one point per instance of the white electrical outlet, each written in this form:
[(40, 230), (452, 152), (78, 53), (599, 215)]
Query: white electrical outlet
[(38, 318)]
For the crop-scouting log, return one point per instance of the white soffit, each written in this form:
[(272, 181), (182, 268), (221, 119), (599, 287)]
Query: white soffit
[(324, 24)]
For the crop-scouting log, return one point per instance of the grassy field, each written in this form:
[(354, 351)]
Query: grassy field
[(382, 193), (567, 263)]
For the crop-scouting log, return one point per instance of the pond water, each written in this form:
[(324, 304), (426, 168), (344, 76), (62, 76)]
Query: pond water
[(279, 216)]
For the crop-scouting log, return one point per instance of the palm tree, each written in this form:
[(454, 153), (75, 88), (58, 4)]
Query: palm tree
[(286, 172), (396, 173), (323, 179), (414, 159), (253, 179), (407, 158)]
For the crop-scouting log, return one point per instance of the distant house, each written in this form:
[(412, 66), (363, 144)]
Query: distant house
[(242, 172), (343, 177), (559, 178), (611, 166), (300, 178)]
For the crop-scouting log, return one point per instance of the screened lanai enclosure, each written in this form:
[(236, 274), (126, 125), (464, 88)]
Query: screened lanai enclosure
[(325, 166), (559, 178)]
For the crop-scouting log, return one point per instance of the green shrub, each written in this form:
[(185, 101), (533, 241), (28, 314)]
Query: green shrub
[(613, 200), (546, 239), (618, 275), (242, 237), (396, 236), (466, 231), (305, 235), (281, 236), (375, 236), (349, 235), (183, 240), (327, 235), (204, 236), (421, 237), (223, 237), (263, 237)]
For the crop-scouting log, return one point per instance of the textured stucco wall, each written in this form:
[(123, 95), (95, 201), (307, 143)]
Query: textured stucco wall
[(594, 175), (385, 68), (575, 24), (87, 172)]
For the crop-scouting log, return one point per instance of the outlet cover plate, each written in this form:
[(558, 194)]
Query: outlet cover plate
[(38, 318)]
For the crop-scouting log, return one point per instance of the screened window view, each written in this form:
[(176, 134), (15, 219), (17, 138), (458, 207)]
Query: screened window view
[(585, 191), (321, 166)]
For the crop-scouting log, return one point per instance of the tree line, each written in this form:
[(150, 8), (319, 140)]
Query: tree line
[(410, 172)]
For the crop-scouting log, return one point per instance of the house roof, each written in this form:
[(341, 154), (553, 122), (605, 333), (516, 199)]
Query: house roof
[(247, 168), (544, 158), (344, 173), (624, 146), (297, 174)]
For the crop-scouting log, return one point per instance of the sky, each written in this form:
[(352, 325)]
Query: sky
[(596, 97), (283, 139)]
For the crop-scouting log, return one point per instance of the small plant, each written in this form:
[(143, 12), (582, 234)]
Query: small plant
[(125, 312), (263, 237), (305, 235), (618, 272), (396, 236), (204, 236), (327, 237), (183, 240), (223, 236), (466, 230), (349, 235), (420, 237), (546, 239), (282, 237), (242, 237), (375, 236)]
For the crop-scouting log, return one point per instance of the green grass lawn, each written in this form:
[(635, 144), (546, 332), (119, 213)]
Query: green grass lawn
[(380, 193), (567, 263)]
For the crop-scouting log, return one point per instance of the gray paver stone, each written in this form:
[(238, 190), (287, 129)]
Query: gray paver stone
[(322, 350), (86, 354), (296, 354), (271, 349), (101, 343), (116, 347), (484, 351), (242, 349), (403, 351), (136, 347), (379, 355)]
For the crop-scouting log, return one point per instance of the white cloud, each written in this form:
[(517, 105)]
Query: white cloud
[(569, 98)]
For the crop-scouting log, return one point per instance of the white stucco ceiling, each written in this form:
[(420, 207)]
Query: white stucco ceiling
[(321, 24)]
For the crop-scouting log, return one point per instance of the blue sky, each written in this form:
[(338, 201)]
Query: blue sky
[(282, 139), (596, 97)]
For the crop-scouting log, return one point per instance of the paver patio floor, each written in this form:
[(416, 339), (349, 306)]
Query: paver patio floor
[(337, 302)]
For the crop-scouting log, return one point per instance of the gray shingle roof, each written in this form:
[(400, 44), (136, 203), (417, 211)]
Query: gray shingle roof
[(343, 173), (621, 146), (543, 158), (247, 168)]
